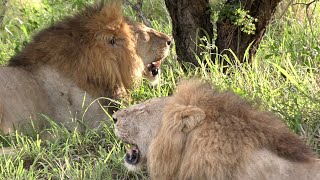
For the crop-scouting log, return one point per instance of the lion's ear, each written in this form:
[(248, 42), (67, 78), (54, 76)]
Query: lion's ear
[(191, 117), (167, 149)]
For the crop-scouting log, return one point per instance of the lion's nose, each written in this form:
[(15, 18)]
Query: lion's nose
[(169, 42), (114, 119)]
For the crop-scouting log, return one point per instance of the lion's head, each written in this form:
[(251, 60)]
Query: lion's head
[(99, 49), (148, 41), (200, 132), (137, 126)]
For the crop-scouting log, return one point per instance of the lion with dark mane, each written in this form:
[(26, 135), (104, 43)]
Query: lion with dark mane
[(202, 133), (95, 53)]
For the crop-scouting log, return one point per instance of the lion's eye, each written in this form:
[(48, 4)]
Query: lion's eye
[(112, 41)]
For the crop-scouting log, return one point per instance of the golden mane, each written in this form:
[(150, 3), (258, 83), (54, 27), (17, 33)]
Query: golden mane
[(268, 129), (206, 133)]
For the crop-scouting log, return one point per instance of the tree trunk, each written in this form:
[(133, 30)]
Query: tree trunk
[(230, 36), (188, 16), (190, 22)]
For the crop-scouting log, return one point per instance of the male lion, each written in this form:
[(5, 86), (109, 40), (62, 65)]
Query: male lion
[(95, 53), (201, 133)]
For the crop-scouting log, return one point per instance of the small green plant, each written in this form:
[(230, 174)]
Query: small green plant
[(237, 16), (242, 19)]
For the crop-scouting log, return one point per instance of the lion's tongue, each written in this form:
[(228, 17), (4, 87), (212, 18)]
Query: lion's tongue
[(132, 155), (157, 63)]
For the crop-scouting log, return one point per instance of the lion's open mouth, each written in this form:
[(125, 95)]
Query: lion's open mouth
[(154, 68), (133, 155)]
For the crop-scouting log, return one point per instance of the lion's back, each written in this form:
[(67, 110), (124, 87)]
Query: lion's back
[(20, 98)]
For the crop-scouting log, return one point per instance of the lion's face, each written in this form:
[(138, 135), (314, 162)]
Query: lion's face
[(153, 47), (138, 125), (129, 46)]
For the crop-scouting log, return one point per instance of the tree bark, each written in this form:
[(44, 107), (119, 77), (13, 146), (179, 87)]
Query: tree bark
[(190, 22), (230, 36), (189, 16)]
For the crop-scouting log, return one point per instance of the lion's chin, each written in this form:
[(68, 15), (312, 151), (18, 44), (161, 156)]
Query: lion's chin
[(133, 168)]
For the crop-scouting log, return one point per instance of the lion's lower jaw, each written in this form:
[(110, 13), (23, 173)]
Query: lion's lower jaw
[(133, 168), (152, 79), (155, 81)]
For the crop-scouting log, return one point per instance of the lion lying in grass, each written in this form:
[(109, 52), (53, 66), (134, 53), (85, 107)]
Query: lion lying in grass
[(95, 53), (201, 133)]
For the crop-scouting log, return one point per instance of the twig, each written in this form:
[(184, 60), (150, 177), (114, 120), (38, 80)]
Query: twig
[(308, 17), (286, 8), (306, 4), (138, 8)]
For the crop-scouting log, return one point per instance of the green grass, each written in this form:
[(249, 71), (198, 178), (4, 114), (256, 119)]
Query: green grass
[(284, 78)]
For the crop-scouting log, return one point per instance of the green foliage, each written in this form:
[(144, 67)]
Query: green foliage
[(283, 78), (236, 14), (242, 19)]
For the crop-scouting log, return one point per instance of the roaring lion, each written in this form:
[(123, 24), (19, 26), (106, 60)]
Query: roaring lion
[(66, 67), (202, 133)]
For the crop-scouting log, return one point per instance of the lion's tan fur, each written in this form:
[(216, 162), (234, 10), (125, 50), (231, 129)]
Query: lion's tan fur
[(95, 53), (208, 134)]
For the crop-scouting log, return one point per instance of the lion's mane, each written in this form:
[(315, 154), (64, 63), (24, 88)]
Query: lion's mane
[(207, 134)]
